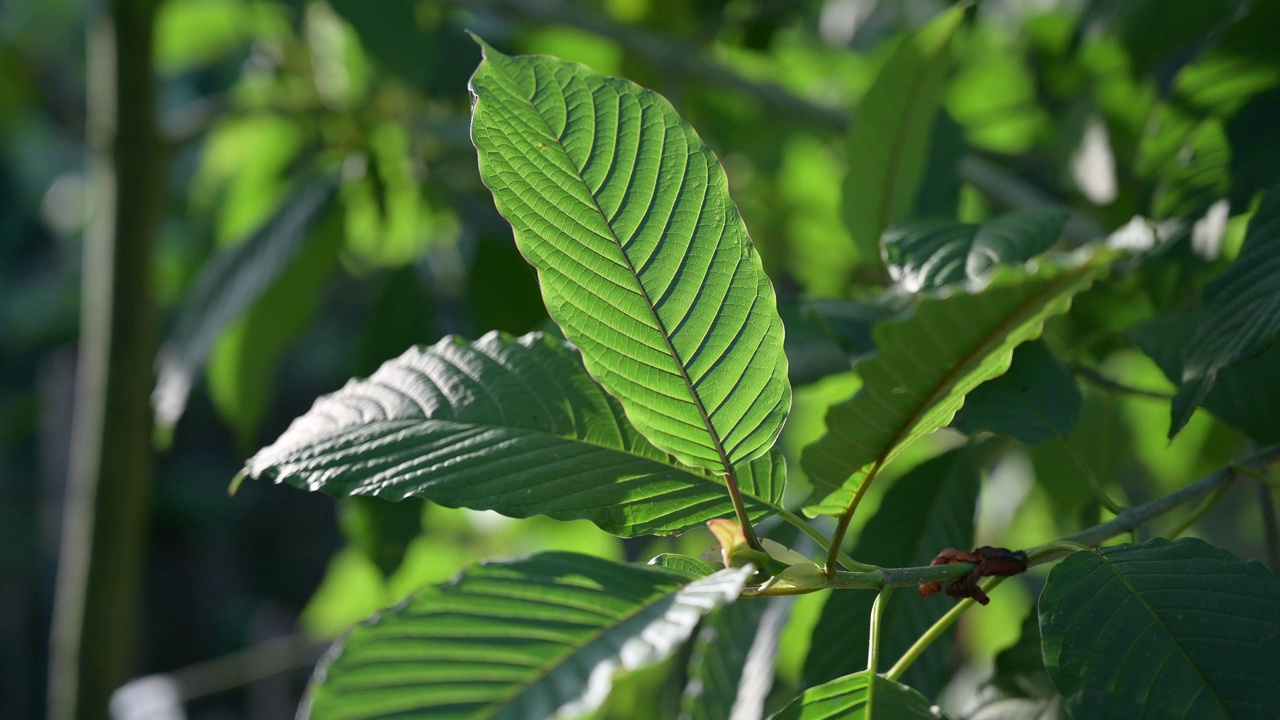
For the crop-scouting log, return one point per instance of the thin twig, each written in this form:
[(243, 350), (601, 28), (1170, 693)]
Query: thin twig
[(1102, 381)]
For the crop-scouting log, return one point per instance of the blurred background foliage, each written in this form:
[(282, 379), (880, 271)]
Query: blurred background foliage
[(323, 211)]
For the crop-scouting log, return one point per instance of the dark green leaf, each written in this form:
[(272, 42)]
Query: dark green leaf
[(380, 529), (928, 254), (513, 425), (860, 697), (229, 285), (1020, 688), (1162, 629), (731, 668), (1246, 62), (642, 257), (1037, 399), (1255, 141), (529, 639), (1180, 23), (888, 144), (1245, 395), (245, 360), (925, 367), (928, 509), (1242, 312)]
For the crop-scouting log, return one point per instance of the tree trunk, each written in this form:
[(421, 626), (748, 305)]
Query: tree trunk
[(104, 528)]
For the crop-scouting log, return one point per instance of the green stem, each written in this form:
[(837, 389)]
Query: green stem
[(1139, 515), (1094, 486), (740, 509), (804, 527), (873, 642), (935, 631), (842, 526), (1205, 506)]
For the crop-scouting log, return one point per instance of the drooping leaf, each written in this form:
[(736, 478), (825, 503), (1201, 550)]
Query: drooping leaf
[(505, 424), (888, 144), (1037, 399), (926, 366), (535, 638), (860, 696), (1020, 688), (930, 508), (1242, 312), (381, 530), (1162, 629), (731, 667), (229, 285), (244, 362), (928, 254), (1244, 395), (642, 257)]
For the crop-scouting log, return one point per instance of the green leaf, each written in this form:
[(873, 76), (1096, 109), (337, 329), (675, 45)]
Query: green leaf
[(888, 144), (642, 257), (1244, 395), (244, 361), (534, 638), (860, 697), (684, 565), (731, 667), (928, 509), (1242, 312), (929, 254), (1020, 687), (926, 366), (229, 285), (1245, 63), (505, 424), (1037, 399), (1162, 629)]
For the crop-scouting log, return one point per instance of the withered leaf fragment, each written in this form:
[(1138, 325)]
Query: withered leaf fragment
[(990, 561)]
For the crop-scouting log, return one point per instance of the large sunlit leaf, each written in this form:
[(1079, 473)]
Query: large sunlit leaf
[(1037, 399), (860, 696), (1162, 629), (925, 367), (229, 285), (928, 509), (642, 257), (505, 424), (530, 639), (928, 254), (731, 667), (1242, 312), (888, 144)]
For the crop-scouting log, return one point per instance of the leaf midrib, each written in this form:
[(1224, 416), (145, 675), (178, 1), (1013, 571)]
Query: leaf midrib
[(716, 441), (337, 434), (1159, 619), (949, 379)]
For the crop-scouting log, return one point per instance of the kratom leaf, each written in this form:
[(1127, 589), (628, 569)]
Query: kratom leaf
[(535, 638), (1162, 629), (860, 696), (507, 424), (888, 144), (731, 667), (1242, 312), (1037, 399), (1244, 396), (928, 254), (229, 285), (642, 257), (684, 565), (925, 367), (930, 508), (1020, 687)]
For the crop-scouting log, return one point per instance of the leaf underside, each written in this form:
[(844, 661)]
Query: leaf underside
[(642, 257), (925, 367), (859, 697), (1162, 629), (507, 424), (530, 639)]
